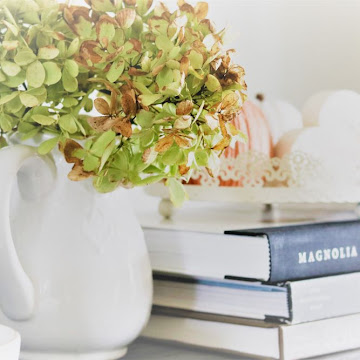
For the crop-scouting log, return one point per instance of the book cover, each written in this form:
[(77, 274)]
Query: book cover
[(311, 250)]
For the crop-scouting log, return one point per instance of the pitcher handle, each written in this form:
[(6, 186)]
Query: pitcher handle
[(17, 296)]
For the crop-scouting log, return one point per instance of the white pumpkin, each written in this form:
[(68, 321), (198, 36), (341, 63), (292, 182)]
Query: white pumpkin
[(335, 151), (281, 115), (333, 109)]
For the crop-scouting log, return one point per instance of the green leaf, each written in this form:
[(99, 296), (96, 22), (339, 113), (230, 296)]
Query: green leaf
[(177, 192), (173, 64), (172, 155), (40, 93), (103, 184), (116, 70), (43, 39), (174, 52), (15, 81), (68, 123), (170, 108), (43, 120), (10, 45), (52, 73), (10, 68), (73, 47), (81, 127), (121, 160), (119, 38), (106, 33), (5, 99), (14, 29), (72, 67), (9, 15), (141, 87), (35, 74), (88, 105), (49, 14), (62, 48), (28, 100), (37, 91), (24, 57), (103, 5), (196, 82), (212, 83), (91, 162), (174, 89), (80, 153), (38, 110), (102, 143), (84, 27), (2, 76), (7, 122), (47, 145), (143, 6), (70, 101), (202, 158), (147, 99), (145, 118), (149, 180), (196, 59), (108, 151), (147, 138), (30, 134), (14, 105), (69, 82), (25, 127), (159, 26), (183, 159), (48, 52), (165, 77), (163, 43), (3, 142)]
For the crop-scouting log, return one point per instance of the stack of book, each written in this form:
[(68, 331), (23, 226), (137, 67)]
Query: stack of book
[(283, 292)]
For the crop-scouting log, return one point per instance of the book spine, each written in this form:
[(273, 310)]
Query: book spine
[(302, 252)]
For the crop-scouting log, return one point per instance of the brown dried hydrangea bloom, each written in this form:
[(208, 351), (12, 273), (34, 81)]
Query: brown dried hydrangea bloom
[(161, 83)]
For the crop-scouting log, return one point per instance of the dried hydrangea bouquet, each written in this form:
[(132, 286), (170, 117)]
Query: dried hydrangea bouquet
[(131, 94), (161, 82)]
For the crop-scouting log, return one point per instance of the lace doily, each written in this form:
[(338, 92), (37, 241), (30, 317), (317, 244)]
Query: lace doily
[(255, 169), (295, 178)]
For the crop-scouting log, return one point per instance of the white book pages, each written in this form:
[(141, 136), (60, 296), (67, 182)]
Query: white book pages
[(257, 341), (201, 254), (232, 298)]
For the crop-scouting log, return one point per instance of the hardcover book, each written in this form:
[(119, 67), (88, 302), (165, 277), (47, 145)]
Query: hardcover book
[(291, 302), (272, 255), (256, 339)]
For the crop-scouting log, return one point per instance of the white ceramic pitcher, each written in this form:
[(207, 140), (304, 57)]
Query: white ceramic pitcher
[(75, 277)]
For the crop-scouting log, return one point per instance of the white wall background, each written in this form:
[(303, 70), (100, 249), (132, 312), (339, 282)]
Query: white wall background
[(290, 48), (293, 48)]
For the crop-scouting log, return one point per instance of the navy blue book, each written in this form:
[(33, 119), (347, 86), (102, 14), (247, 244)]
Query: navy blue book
[(271, 255), (310, 250)]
